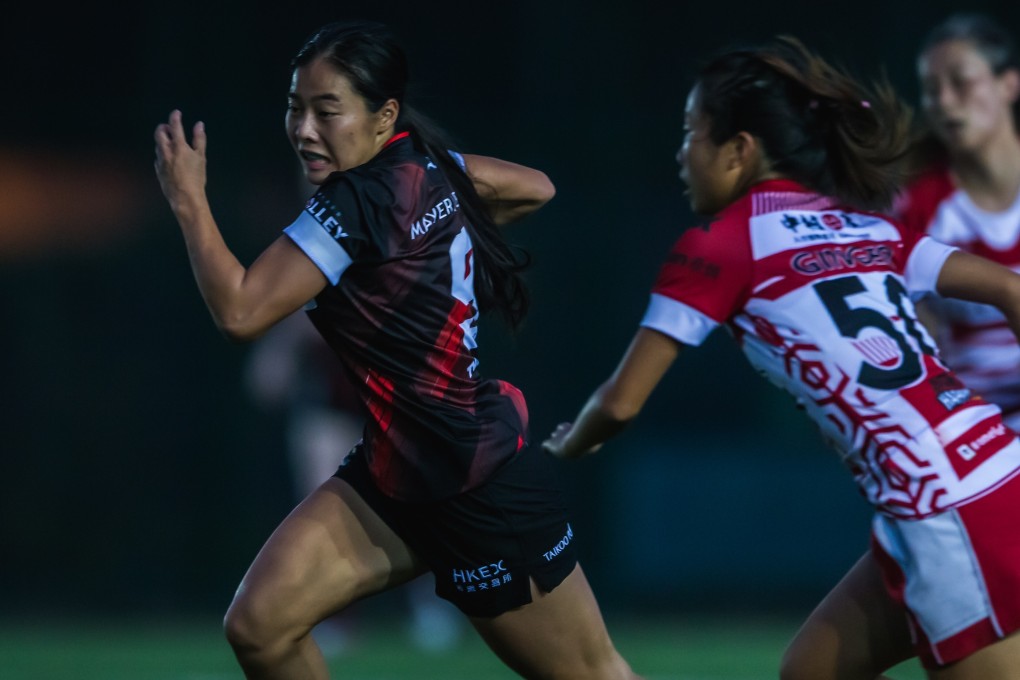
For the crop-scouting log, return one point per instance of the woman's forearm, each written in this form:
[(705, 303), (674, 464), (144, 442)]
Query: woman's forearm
[(218, 273), (511, 191)]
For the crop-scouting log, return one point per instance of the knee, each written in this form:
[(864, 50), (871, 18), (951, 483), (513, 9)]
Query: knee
[(253, 630), (799, 666), (242, 626)]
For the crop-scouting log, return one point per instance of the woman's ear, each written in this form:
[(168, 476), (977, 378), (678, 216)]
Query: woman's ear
[(1010, 80), (745, 151), (388, 114)]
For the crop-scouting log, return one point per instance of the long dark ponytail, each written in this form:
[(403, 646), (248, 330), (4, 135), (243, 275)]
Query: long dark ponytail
[(369, 55), (818, 125)]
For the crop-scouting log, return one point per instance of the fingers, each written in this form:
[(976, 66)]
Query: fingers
[(554, 444), (175, 126), (198, 137), (171, 134)]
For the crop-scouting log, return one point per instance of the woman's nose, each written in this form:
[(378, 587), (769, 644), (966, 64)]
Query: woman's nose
[(304, 127)]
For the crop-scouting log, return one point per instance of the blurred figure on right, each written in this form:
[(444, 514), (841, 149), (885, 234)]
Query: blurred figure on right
[(966, 190)]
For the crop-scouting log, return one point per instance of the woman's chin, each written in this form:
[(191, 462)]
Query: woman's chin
[(316, 176)]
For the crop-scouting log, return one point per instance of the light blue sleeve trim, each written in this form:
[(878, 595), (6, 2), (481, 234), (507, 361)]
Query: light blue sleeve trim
[(459, 158), (677, 320), (327, 254)]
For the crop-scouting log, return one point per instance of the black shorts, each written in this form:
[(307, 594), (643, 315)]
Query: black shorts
[(486, 544)]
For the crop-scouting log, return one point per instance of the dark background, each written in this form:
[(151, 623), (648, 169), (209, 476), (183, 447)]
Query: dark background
[(137, 473)]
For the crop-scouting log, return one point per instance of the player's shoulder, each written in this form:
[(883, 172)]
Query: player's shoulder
[(922, 195), (375, 183), (722, 232), (728, 221), (933, 179)]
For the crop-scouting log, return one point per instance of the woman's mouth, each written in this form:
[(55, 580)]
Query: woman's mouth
[(315, 161), (953, 127)]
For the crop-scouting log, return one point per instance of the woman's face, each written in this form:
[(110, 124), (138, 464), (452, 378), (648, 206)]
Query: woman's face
[(703, 167), (329, 124), (966, 103)]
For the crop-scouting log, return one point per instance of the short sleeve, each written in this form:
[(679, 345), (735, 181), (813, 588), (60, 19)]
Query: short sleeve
[(702, 284), (458, 159), (331, 230), (677, 320), (924, 264)]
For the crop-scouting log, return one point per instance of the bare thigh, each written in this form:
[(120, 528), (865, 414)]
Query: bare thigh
[(855, 633), (1000, 661), (558, 635), (329, 552)]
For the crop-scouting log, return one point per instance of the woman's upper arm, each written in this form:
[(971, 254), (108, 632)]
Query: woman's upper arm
[(277, 284), (511, 191), (969, 277), (645, 362)]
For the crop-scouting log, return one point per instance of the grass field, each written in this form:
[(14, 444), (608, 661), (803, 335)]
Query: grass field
[(195, 650)]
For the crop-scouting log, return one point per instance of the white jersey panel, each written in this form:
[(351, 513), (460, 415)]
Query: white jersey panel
[(978, 343), (840, 333)]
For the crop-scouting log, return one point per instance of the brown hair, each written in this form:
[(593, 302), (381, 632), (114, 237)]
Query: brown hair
[(818, 125)]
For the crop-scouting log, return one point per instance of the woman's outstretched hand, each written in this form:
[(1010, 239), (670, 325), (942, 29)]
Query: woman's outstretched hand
[(556, 443), (180, 166)]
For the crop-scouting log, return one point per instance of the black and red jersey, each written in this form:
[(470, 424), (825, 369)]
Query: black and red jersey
[(400, 312)]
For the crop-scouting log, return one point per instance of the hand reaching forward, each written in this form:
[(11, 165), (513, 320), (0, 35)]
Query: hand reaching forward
[(180, 166), (556, 443)]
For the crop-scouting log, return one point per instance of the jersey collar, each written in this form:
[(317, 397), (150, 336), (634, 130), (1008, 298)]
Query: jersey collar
[(781, 184)]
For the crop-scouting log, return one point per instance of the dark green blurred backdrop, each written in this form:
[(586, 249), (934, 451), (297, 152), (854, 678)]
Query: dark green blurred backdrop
[(136, 471)]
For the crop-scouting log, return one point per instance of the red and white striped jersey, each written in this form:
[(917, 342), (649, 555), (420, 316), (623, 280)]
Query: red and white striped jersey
[(975, 339), (819, 298)]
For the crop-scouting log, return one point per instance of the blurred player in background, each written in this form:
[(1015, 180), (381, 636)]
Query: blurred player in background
[(789, 157), (964, 191), (967, 193)]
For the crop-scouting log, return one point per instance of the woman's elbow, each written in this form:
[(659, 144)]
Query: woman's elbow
[(545, 190), (240, 330)]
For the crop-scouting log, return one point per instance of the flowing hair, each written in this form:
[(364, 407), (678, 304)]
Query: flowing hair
[(817, 125), (369, 55)]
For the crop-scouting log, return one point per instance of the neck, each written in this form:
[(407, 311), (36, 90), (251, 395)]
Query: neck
[(990, 175)]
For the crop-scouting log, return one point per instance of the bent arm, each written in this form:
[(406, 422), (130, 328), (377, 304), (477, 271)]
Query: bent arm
[(969, 277), (510, 191), (618, 400), (244, 303)]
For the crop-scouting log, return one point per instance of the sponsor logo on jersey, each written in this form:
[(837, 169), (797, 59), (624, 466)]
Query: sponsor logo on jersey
[(559, 547), (827, 227), (954, 398), (949, 390), (837, 258), (443, 209), (817, 222), (970, 451), (978, 445), (484, 577), (696, 264), (323, 213)]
